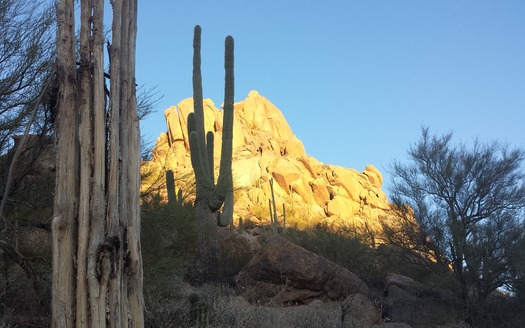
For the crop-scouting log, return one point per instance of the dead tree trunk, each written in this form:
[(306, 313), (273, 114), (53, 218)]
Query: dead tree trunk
[(97, 265)]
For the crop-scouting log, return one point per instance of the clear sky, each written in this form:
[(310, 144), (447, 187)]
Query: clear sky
[(356, 80)]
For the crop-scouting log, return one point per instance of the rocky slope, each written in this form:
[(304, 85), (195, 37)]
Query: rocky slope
[(265, 148)]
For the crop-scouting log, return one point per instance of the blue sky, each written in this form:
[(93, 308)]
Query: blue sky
[(356, 80)]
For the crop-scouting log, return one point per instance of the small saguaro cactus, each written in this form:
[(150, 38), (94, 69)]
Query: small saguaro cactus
[(173, 200), (273, 207), (210, 194), (284, 217)]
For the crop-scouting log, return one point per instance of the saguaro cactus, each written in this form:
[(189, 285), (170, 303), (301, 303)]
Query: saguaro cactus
[(174, 200), (273, 209), (210, 194)]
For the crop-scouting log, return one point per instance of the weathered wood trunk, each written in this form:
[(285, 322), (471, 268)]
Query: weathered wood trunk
[(65, 210), (97, 265)]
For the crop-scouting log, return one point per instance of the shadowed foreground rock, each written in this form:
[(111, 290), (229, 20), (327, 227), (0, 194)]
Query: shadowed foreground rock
[(410, 302), (284, 272)]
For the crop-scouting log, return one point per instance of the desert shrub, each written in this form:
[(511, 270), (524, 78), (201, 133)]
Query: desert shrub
[(456, 325), (24, 301), (25, 242), (343, 246), (168, 244), (166, 306), (397, 260), (226, 309), (501, 310), (248, 223), (166, 233), (260, 211)]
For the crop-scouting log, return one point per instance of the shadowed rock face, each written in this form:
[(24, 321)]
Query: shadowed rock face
[(287, 272), (408, 301), (266, 148)]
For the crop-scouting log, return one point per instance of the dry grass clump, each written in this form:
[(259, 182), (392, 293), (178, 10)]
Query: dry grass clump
[(456, 325), (219, 306), (24, 301), (236, 312), (226, 309)]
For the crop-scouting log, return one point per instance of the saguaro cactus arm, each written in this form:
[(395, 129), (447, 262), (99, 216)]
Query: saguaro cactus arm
[(197, 93), (201, 177), (225, 181), (170, 187), (227, 130), (210, 143)]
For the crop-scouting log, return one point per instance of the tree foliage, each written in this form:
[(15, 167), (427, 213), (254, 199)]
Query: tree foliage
[(28, 91), (26, 53), (27, 67), (469, 204)]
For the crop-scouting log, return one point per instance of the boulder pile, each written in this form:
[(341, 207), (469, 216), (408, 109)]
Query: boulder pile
[(265, 148)]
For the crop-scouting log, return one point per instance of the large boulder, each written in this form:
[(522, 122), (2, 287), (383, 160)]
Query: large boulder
[(396, 282), (410, 302), (290, 273)]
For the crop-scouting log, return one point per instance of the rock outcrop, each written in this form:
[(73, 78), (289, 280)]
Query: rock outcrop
[(410, 302), (265, 148), (287, 272)]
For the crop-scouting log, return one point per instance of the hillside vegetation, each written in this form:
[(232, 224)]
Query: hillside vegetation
[(175, 299)]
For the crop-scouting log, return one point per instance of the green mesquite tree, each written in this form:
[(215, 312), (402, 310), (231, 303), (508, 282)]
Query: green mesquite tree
[(211, 195)]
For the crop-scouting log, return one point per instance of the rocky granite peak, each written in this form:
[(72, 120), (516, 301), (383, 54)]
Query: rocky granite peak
[(265, 148)]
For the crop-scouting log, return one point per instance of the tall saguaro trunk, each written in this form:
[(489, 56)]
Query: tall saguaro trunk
[(97, 265), (211, 196)]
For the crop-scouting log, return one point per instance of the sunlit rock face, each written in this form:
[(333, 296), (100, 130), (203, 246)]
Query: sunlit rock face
[(265, 148)]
